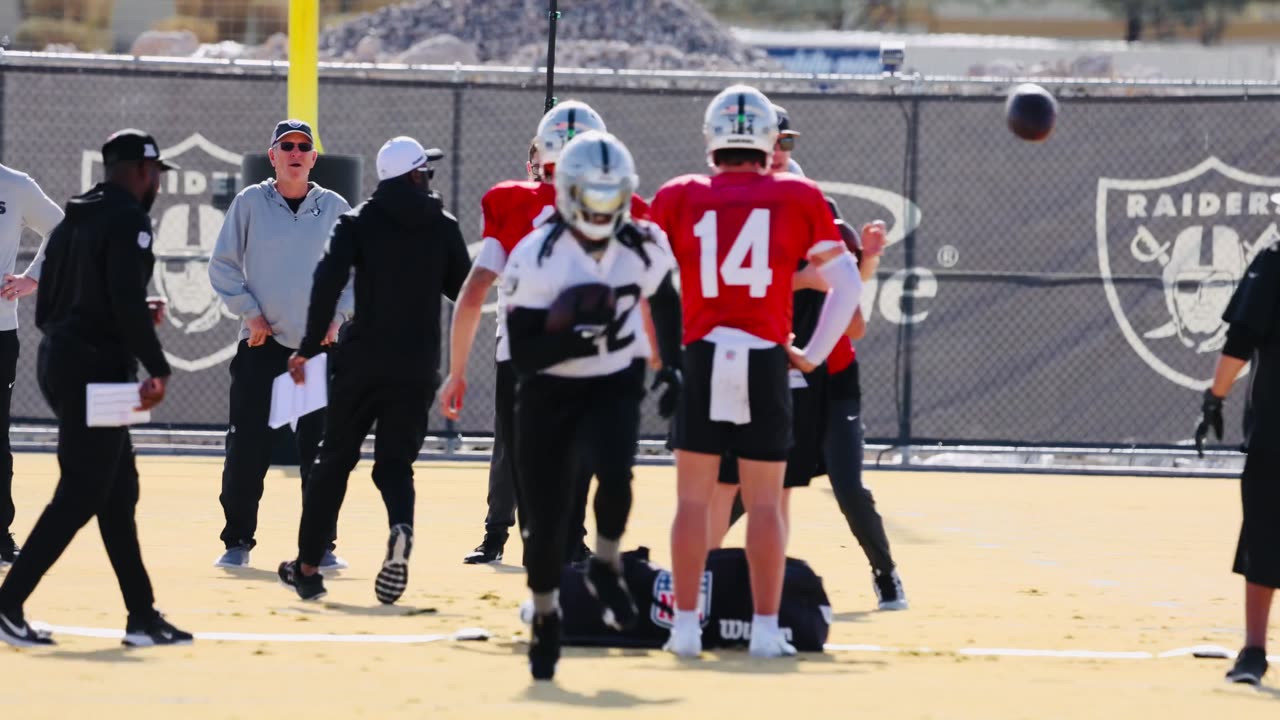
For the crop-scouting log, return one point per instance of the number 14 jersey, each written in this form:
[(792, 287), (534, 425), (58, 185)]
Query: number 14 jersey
[(738, 238)]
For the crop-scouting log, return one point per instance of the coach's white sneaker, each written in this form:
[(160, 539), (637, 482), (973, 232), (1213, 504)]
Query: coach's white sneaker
[(685, 645), (770, 644)]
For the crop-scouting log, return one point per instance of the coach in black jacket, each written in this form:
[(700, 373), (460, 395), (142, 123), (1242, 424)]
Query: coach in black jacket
[(93, 309), (407, 252)]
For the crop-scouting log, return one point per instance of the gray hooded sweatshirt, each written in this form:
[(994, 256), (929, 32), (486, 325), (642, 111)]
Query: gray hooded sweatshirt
[(266, 256)]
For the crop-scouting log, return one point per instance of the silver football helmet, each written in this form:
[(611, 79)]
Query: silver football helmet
[(741, 117), (561, 124), (595, 179)]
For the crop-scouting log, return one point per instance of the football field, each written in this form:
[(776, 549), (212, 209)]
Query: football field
[(1032, 596)]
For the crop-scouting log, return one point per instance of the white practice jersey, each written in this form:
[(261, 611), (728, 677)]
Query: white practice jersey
[(526, 283)]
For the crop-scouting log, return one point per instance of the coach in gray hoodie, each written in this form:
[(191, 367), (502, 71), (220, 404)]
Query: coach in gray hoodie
[(262, 268)]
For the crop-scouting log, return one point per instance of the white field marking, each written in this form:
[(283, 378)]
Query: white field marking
[(482, 634), (463, 634)]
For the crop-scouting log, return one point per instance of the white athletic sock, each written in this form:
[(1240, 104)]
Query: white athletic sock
[(764, 623), (546, 603), (687, 622), (609, 551)]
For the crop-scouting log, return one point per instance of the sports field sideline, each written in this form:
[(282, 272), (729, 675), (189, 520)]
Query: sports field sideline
[(1094, 577)]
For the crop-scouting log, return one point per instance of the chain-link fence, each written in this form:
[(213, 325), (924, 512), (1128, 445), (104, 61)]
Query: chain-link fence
[(1061, 293)]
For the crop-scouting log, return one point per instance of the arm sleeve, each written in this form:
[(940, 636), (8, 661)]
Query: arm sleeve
[(668, 321), (128, 265), (226, 265), (42, 215), (534, 349), (527, 293), (331, 280), (841, 274), (458, 262)]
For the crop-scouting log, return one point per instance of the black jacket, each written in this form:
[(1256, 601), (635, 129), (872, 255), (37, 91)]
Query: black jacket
[(407, 252), (94, 284)]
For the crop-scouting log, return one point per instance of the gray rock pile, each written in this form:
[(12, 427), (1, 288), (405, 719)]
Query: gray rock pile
[(651, 34)]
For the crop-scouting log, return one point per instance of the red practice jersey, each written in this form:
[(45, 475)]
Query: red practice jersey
[(738, 238), (514, 208)]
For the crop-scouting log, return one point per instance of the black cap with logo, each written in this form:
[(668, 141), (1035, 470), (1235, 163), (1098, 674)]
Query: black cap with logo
[(132, 144), (284, 127), (784, 121)]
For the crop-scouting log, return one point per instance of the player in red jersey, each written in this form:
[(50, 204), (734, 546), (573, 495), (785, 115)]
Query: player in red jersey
[(738, 237), (826, 409), (511, 210)]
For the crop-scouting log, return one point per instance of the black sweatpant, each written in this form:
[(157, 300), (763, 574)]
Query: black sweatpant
[(504, 489), (356, 402), (562, 421), (249, 439), (98, 478), (8, 375)]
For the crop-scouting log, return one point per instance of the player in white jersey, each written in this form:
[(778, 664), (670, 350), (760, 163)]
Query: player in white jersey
[(572, 289)]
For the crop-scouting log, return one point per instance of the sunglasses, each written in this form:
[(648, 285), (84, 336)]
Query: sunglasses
[(787, 143), (288, 146)]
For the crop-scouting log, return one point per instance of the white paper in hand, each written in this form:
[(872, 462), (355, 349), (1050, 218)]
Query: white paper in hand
[(112, 405), (290, 401)]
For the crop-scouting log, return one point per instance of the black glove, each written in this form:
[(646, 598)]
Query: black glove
[(1210, 417), (674, 381)]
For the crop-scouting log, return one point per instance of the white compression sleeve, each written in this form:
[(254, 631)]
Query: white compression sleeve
[(841, 274)]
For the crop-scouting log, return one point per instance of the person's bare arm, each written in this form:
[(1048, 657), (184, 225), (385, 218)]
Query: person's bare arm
[(466, 321)]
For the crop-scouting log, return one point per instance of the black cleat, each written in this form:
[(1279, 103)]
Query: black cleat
[(15, 630), (156, 631), (9, 549), (889, 592), (489, 551), (309, 587), (606, 585), (544, 646), (1251, 665)]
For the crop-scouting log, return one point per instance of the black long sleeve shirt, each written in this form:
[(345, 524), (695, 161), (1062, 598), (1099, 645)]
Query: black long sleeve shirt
[(98, 263), (407, 253)]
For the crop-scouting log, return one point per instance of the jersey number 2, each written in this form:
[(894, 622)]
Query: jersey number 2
[(747, 262)]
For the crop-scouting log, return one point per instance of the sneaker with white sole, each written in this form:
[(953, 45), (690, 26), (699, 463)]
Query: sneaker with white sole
[(152, 632), (889, 592), (236, 556), (308, 587), (1251, 665), (685, 645), (15, 630), (770, 644), (9, 549), (332, 563), (393, 578)]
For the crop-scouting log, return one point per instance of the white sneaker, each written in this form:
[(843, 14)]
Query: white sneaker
[(686, 645), (770, 644)]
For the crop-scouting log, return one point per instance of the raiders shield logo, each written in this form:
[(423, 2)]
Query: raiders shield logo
[(1171, 251)]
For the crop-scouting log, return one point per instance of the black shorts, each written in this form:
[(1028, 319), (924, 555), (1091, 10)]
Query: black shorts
[(804, 460), (767, 437), (1258, 551)]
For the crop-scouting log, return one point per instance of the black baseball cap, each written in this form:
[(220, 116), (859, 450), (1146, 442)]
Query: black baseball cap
[(784, 121), (284, 127), (133, 144)]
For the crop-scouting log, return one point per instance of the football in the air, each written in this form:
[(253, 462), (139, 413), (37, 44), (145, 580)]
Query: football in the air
[(586, 305), (1031, 112)]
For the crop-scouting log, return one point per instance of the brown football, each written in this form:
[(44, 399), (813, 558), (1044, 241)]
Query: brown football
[(590, 304)]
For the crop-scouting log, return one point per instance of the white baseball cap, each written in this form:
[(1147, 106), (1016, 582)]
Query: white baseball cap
[(403, 154)]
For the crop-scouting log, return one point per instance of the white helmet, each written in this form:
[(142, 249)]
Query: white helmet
[(561, 124), (741, 117), (595, 176)]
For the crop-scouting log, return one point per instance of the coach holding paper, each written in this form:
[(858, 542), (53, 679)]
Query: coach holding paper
[(407, 252), (98, 324), (273, 236)]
